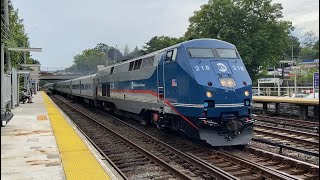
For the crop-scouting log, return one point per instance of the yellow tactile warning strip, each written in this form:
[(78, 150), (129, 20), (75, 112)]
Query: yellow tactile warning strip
[(42, 117), (78, 162)]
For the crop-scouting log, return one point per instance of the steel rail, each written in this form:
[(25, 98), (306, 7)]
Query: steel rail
[(174, 171)]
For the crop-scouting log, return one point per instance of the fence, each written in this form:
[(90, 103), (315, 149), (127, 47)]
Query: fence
[(284, 91)]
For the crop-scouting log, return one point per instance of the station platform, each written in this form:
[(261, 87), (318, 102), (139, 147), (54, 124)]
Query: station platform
[(301, 102), (40, 142)]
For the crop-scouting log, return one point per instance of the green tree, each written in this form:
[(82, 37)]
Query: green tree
[(135, 53), (126, 51), (18, 38), (309, 39), (160, 42), (305, 78), (308, 53), (87, 61), (316, 48), (293, 42), (254, 26)]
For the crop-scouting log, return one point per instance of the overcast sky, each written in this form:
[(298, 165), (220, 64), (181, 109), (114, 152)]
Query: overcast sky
[(63, 28)]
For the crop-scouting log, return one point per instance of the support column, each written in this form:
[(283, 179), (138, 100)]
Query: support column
[(6, 19), (6, 12), (18, 87), (279, 93), (265, 108), (3, 108), (277, 108), (25, 80), (303, 112), (36, 87), (316, 111)]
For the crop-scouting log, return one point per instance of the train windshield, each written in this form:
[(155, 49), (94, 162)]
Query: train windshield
[(227, 53), (200, 53)]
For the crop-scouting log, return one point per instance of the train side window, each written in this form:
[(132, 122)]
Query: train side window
[(148, 61), (137, 64), (111, 72), (131, 65)]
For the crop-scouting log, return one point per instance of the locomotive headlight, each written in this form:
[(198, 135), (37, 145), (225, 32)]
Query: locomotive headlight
[(246, 93), (209, 94), (223, 82), (227, 82)]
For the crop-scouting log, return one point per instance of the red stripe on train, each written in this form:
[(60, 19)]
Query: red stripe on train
[(165, 100)]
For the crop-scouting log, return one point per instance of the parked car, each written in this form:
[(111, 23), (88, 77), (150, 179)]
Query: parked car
[(255, 92), (296, 96), (310, 96)]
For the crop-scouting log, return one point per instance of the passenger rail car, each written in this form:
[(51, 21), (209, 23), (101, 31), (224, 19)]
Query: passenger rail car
[(200, 87)]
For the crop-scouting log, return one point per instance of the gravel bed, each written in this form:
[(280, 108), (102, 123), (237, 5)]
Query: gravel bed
[(288, 127)]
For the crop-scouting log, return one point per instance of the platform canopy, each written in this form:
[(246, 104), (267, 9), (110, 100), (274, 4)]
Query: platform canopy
[(25, 49)]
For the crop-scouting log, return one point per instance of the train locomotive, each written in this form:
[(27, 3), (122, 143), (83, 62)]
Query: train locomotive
[(199, 87)]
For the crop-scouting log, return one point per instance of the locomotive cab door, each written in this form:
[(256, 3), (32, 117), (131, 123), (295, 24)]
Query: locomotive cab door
[(170, 73), (160, 77), (108, 89), (165, 65)]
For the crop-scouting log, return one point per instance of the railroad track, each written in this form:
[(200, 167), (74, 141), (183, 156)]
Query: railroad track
[(293, 138), (196, 163), (290, 166), (266, 160), (134, 161), (281, 121)]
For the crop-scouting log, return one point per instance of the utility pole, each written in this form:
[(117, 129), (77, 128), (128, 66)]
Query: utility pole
[(106, 58), (105, 49), (3, 108), (6, 22), (115, 53), (295, 73), (25, 80)]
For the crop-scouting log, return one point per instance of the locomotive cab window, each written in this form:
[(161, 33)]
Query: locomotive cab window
[(227, 53), (200, 53), (171, 55)]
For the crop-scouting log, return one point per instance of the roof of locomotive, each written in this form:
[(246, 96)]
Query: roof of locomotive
[(203, 42)]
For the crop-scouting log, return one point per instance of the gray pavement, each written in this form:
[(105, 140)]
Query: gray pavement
[(28, 146)]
